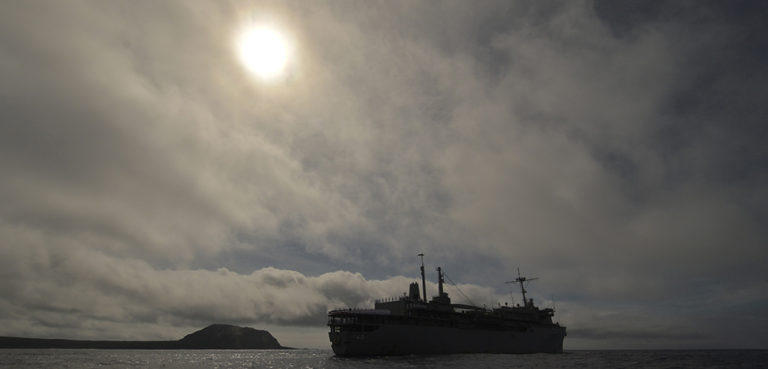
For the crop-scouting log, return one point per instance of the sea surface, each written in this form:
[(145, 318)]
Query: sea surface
[(295, 359)]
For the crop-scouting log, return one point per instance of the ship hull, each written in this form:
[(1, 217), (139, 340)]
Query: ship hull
[(408, 339)]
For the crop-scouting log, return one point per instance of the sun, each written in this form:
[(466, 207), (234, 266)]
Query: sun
[(264, 51)]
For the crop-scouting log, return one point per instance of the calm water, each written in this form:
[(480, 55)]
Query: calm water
[(63, 358)]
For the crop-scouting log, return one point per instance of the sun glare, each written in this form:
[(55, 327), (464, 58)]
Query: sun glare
[(264, 51)]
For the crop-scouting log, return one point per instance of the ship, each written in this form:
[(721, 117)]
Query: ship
[(410, 324)]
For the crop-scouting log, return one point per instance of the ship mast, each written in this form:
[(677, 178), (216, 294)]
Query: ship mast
[(423, 280), (521, 280), (440, 281)]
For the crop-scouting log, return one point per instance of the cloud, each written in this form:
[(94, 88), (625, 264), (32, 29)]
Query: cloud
[(84, 290), (615, 153)]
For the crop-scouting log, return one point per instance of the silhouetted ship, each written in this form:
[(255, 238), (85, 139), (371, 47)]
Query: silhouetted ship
[(411, 325)]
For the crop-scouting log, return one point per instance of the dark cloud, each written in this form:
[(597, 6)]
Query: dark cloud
[(613, 149)]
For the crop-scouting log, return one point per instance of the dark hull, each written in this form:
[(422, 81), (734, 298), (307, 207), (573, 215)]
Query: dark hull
[(409, 339)]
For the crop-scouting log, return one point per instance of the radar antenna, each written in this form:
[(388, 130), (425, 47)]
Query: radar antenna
[(522, 280)]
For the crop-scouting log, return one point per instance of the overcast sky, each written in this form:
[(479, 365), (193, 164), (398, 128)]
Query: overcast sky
[(616, 150)]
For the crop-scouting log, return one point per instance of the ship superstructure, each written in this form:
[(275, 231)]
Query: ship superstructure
[(412, 325)]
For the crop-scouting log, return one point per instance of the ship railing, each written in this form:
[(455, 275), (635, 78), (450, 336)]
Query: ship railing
[(360, 311), (389, 299)]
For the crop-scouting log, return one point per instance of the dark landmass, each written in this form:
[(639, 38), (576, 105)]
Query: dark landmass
[(216, 336)]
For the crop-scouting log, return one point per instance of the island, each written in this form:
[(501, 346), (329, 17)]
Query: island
[(212, 337)]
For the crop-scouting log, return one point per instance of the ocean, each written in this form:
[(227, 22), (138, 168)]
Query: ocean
[(296, 359)]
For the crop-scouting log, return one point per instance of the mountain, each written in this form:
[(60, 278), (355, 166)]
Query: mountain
[(222, 336), (215, 336)]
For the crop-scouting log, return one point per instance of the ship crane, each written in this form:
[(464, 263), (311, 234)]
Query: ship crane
[(522, 280)]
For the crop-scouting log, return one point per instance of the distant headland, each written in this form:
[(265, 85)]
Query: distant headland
[(215, 336)]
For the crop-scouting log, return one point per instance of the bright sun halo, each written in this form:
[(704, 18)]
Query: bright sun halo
[(264, 51)]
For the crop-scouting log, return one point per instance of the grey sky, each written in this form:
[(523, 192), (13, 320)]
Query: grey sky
[(150, 186)]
